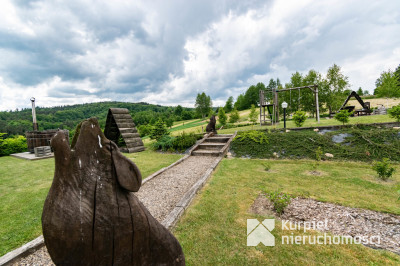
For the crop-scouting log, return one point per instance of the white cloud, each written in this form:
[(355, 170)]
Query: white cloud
[(166, 52)]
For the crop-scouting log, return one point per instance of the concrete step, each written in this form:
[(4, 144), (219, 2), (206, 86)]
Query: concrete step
[(202, 152), (211, 146), (217, 139)]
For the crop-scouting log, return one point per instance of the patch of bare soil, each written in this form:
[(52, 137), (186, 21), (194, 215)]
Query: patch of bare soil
[(341, 220)]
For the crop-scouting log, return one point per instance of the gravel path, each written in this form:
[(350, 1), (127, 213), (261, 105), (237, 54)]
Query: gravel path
[(341, 220), (159, 195)]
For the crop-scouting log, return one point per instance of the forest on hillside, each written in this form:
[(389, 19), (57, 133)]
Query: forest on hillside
[(68, 117)]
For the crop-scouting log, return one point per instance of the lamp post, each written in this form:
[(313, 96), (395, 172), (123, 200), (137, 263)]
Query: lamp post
[(284, 106)]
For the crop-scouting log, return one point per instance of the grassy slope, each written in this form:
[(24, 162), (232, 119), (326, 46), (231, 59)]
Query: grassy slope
[(213, 230), (313, 123), (24, 186)]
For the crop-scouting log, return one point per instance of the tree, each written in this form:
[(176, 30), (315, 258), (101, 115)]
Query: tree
[(240, 102), (343, 116), (397, 74), (253, 114), (360, 91), (332, 88), (186, 115), (394, 112), (299, 118), (222, 116), (169, 122), (387, 85), (229, 105), (203, 104), (366, 92), (159, 130), (178, 110), (234, 117)]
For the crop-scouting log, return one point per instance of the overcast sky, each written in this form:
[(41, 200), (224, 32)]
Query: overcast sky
[(165, 52)]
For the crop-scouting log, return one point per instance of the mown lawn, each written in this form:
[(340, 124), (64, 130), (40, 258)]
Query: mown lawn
[(24, 186), (213, 229)]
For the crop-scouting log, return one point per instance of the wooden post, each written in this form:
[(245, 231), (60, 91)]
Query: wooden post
[(276, 106), (316, 102)]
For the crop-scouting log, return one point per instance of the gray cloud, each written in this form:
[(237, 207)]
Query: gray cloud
[(166, 51)]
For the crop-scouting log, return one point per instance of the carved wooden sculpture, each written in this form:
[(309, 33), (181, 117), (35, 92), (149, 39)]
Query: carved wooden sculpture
[(211, 125), (90, 216)]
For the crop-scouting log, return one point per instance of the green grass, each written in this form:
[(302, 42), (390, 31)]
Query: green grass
[(24, 186), (313, 123), (213, 230), (188, 125)]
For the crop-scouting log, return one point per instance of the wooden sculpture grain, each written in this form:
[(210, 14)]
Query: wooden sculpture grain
[(91, 216)]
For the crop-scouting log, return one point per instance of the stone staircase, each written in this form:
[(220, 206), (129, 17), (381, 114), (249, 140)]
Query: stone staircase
[(213, 145)]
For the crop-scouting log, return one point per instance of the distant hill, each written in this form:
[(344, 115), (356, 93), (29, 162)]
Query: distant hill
[(68, 117)]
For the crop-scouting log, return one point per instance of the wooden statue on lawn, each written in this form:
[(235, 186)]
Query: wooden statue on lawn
[(211, 125), (90, 216)]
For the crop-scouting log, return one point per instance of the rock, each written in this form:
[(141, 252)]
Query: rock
[(329, 155), (287, 130), (91, 216), (316, 129), (396, 128)]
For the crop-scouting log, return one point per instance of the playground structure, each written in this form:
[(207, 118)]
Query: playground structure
[(119, 123), (273, 108), (366, 106)]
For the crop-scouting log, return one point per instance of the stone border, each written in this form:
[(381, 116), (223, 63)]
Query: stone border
[(37, 243), (184, 203), (30, 156), (173, 217), (23, 251)]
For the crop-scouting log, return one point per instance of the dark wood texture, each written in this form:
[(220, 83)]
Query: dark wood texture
[(119, 123), (41, 138), (90, 216), (211, 125)]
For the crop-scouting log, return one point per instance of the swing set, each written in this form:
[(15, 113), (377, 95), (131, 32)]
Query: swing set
[(273, 108)]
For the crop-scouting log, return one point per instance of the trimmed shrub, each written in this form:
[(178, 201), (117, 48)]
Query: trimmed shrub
[(179, 143), (383, 169), (394, 112), (234, 117), (343, 116), (12, 145), (164, 143), (299, 118), (144, 130), (255, 136), (280, 200), (222, 116)]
